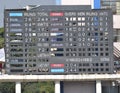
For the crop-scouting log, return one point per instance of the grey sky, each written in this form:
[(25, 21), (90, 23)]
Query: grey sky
[(9, 4)]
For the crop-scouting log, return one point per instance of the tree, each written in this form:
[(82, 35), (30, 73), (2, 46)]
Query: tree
[(38, 87), (1, 37), (7, 87)]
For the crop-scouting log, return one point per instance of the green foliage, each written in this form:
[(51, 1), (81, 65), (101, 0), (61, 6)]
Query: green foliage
[(1, 42), (38, 87), (27, 87), (1, 37), (7, 87), (31, 88), (1, 32)]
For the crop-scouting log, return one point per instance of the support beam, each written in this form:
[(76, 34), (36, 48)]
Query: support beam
[(18, 87), (98, 86), (57, 86)]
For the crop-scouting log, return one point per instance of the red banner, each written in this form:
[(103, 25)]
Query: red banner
[(57, 65), (56, 14)]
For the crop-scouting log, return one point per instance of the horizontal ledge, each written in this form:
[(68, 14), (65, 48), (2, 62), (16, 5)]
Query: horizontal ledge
[(34, 78)]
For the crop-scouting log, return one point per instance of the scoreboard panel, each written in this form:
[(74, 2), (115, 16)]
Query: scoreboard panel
[(59, 40)]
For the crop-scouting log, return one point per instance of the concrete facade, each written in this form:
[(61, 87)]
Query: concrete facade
[(76, 2), (18, 87), (79, 87), (106, 83), (35, 78), (98, 86), (116, 22)]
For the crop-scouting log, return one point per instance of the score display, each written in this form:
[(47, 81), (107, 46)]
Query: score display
[(64, 40)]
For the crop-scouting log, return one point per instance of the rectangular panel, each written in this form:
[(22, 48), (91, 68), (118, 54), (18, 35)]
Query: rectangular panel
[(97, 4), (59, 40), (56, 14), (15, 14), (57, 70)]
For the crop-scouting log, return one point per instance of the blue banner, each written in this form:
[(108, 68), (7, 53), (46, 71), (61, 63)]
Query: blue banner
[(15, 14), (97, 4)]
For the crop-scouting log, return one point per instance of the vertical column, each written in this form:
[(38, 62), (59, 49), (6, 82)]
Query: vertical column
[(92, 4), (98, 86), (18, 87), (57, 86)]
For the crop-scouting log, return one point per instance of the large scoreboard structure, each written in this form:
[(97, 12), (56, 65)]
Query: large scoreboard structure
[(58, 40)]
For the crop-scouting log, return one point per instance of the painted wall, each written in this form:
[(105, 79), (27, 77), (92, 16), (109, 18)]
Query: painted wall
[(79, 87), (95, 4), (116, 21), (76, 2)]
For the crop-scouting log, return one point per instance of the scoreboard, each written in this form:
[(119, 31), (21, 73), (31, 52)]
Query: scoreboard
[(59, 40)]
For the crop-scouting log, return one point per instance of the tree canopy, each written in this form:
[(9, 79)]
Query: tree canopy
[(1, 37)]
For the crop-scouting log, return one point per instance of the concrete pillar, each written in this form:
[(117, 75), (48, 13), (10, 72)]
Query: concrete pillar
[(18, 87), (98, 86), (57, 86)]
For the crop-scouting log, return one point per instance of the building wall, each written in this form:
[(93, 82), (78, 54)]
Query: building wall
[(79, 87), (90, 87), (116, 26), (95, 4), (76, 2), (116, 21)]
